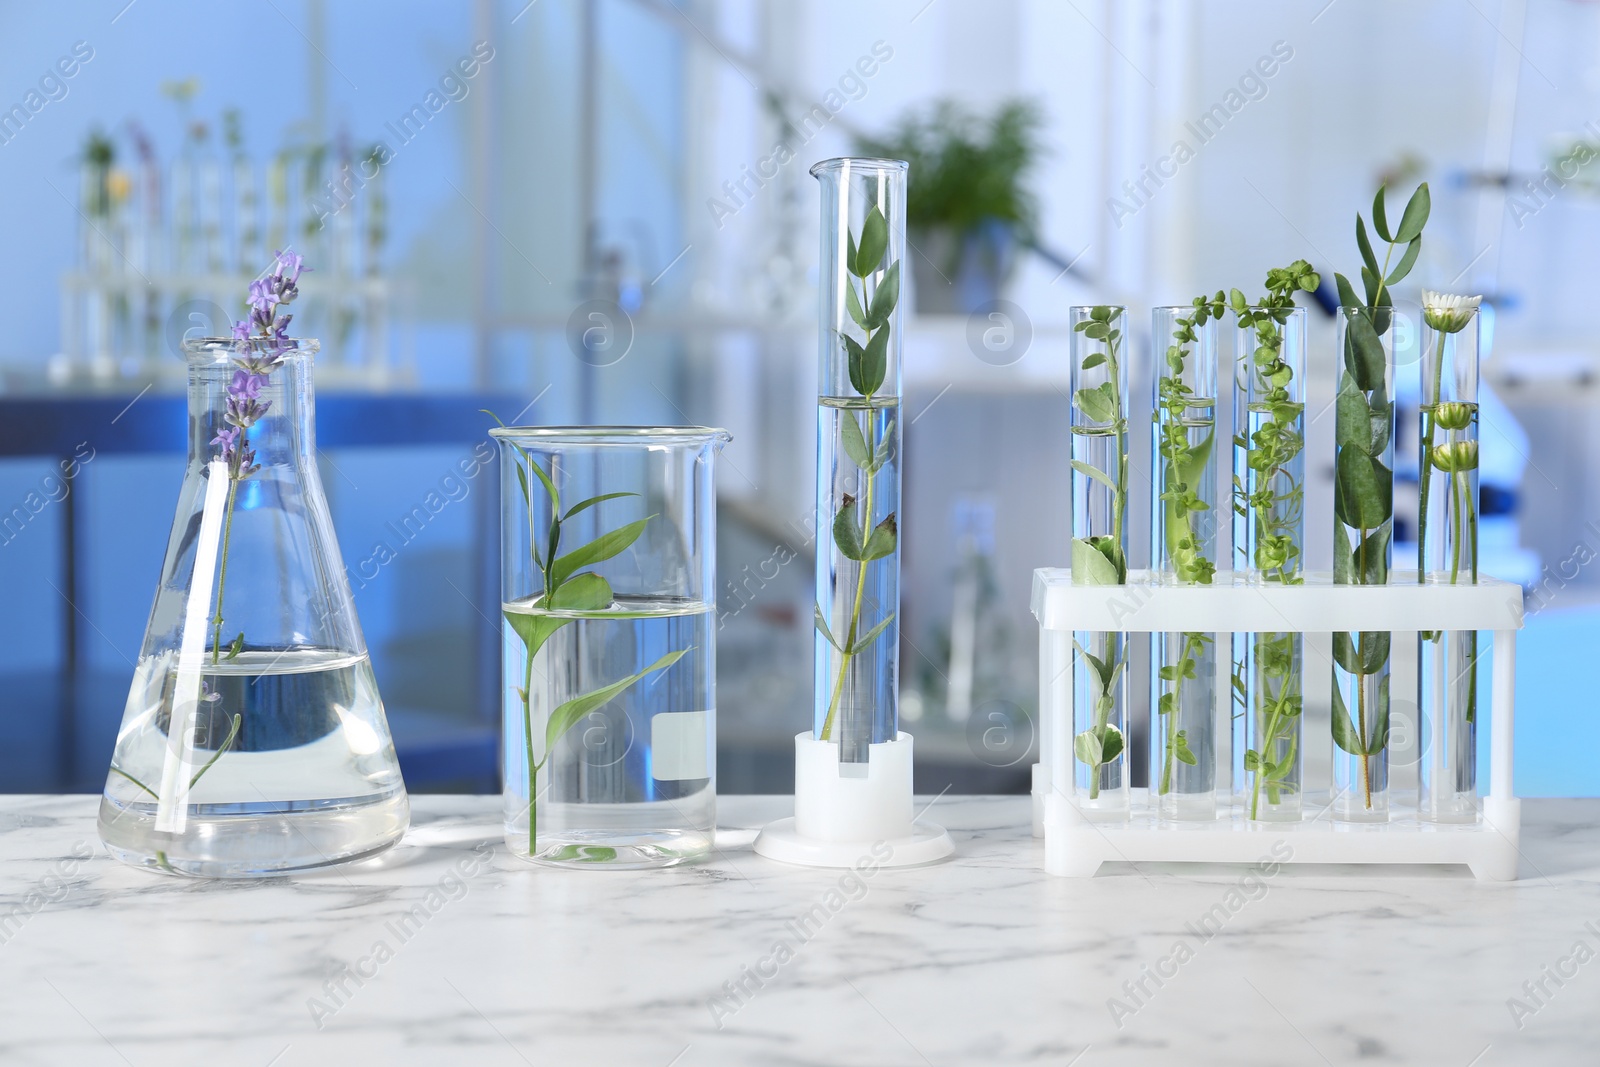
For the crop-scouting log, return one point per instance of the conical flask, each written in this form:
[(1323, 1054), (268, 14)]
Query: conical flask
[(254, 741)]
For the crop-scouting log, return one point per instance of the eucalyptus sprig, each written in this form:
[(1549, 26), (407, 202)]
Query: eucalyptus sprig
[(1100, 559), (867, 360), (568, 593), (1363, 501)]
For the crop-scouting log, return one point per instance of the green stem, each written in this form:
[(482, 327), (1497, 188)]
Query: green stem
[(222, 573), (527, 741), (1458, 493), (846, 654), (1425, 459)]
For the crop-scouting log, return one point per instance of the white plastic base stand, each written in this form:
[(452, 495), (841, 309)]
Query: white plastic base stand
[(1076, 846), (841, 820)]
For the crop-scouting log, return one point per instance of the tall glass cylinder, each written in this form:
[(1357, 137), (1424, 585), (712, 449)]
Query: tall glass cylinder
[(608, 589), (1183, 551), (1447, 552), (1269, 464), (858, 456), (1100, 553), (1363, 528)]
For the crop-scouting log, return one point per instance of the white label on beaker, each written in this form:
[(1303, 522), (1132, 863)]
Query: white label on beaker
[(678, 746)]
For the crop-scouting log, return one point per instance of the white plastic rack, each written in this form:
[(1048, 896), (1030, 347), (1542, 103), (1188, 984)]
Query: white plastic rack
[(1076, 844)]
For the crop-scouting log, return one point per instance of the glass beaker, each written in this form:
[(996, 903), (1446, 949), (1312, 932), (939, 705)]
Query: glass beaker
[(253, 741), (608, 588)]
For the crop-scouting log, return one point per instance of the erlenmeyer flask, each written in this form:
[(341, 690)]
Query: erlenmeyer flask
[(254, 741)]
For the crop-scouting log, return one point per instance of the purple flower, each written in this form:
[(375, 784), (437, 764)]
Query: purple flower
[(263, 295), (261, 342)]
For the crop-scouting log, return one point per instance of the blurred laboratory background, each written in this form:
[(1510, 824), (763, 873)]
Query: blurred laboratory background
[(599, 211)]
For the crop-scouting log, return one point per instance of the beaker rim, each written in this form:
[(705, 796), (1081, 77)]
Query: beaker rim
[(212, 348), (601, 435), (818, 169)]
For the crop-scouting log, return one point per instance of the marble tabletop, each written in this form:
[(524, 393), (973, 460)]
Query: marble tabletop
[(447, 951)]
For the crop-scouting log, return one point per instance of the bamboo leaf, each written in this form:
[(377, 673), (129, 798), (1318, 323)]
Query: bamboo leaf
[(874, 240), (591, 502), (236, 647), (884, 298), (855, 445), (227, 743), (601, 548), (565, 716), (582, 592), (549, 486)]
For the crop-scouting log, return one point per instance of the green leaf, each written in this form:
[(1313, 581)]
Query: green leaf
[(850, 250), (1094, 472), (874, 239), (871, 635), (1344, 653), (1364, 357), (549, 486), (1345, 734), (1416, 215), (875, 361), (227, 743), (884, 297), (853, 355), (1090, 566), (1105, 673), (1380, 421), (1366, 490), (601, 548), (591, 502), (565, 716), (582, 592), (881, 456), (1087, 746), (1380, 725), (881, 541), (1373, 555), (1343, 557), (852, 304), (1365, 246), (1380, 218), (1093, 360), (1111, 744), (847, 530), (855, 445), (236, 647), (1347, 292), (1097, 403), (1406, 261), (822, 625), (1181, 749), (1374, 648), (1352, 425)]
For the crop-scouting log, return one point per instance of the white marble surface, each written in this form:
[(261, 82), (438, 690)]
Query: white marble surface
[(980, 960)]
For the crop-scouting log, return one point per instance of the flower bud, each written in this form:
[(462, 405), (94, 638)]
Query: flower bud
[(1453, 415)]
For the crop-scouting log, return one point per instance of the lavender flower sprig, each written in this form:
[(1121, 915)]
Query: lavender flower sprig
[(260, 344)]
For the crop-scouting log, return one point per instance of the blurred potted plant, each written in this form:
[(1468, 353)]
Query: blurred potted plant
[(967, 204)]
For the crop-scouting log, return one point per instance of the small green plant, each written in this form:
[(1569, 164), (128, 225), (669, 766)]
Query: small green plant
[(567, 594), (1100, 559), (1272, 506), (1364, 484), (853, 535), (1183, 468)]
